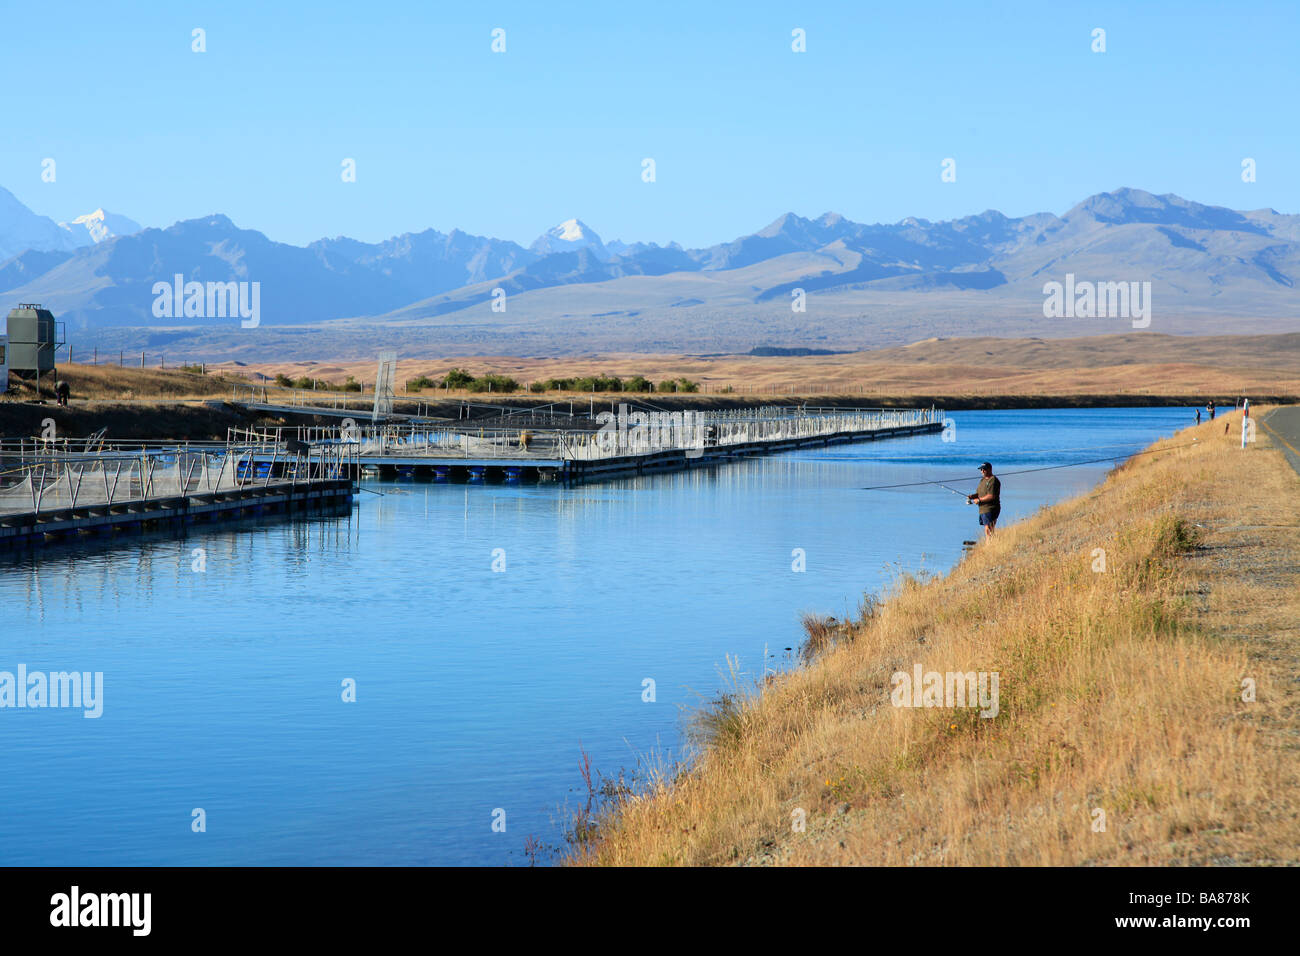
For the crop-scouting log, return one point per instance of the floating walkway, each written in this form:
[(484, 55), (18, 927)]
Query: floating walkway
[(72, 489), (625, 442), (62, 496)]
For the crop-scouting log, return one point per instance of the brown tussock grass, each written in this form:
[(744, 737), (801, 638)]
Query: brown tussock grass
[(1120, 691), (962, 368), (107, 382)]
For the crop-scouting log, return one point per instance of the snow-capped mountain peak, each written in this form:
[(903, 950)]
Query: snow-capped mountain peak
[(571, 230), (570, 236), (99, 225)]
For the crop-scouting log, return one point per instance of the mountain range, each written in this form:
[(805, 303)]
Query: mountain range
[(22, 230), (1210, 269)]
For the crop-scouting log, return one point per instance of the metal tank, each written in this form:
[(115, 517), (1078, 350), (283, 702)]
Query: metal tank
[(34, 335)]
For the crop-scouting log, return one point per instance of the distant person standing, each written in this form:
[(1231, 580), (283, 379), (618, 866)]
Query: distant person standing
[(1198, 414), (988, 493), (61, 393), (1210, 408)]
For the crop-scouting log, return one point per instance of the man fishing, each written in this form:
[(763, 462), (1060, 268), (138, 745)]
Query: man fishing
[(988, 493)]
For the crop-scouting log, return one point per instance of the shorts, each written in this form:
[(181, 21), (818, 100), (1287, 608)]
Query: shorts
[(990, 517)]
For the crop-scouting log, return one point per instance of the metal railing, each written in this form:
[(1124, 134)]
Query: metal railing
[(648, 433), (280, 395), (616, 434), (22, 450), (56, 482), (408, 441)]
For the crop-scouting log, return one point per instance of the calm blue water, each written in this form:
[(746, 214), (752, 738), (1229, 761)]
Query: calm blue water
[(476, 690)]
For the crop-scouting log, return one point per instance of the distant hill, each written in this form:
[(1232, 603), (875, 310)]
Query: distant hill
[(1211, 269), (22, 230), (110, 284)]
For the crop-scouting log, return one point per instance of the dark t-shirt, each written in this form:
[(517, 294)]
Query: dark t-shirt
[(990, 486)]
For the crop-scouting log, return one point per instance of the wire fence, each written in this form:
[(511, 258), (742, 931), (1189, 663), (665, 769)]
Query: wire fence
[(281, 396), (361, 400)]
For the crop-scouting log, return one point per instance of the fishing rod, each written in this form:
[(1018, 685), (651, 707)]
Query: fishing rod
[(953, 490), (1026, 471), (1019, 451)]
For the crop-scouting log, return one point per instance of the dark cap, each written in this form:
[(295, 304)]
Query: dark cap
[(986, 465)]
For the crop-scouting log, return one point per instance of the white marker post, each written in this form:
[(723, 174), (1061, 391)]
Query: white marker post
[(1245, 422)]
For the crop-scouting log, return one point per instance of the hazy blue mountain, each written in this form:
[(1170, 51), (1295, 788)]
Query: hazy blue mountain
[(418, 265), (789, 233), (21, 229), (110, 283), (582, 267), (1127, 206), (1207, 256), (1201, 260), (618, 248), (1210, 269), (29, 265)]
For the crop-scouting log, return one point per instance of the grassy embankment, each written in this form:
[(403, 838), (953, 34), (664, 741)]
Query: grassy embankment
[(115, 383), (131, 403), (1120, 690)]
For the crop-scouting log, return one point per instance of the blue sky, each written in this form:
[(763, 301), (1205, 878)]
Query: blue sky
[(446, 133)]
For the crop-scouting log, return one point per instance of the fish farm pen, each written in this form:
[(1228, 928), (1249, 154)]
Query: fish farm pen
[(70, 490), (612, 444)]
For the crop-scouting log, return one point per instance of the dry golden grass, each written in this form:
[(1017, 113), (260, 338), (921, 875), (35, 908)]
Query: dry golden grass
[(944, 369), (1144, 364), (116, 383), (1120, 691)]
